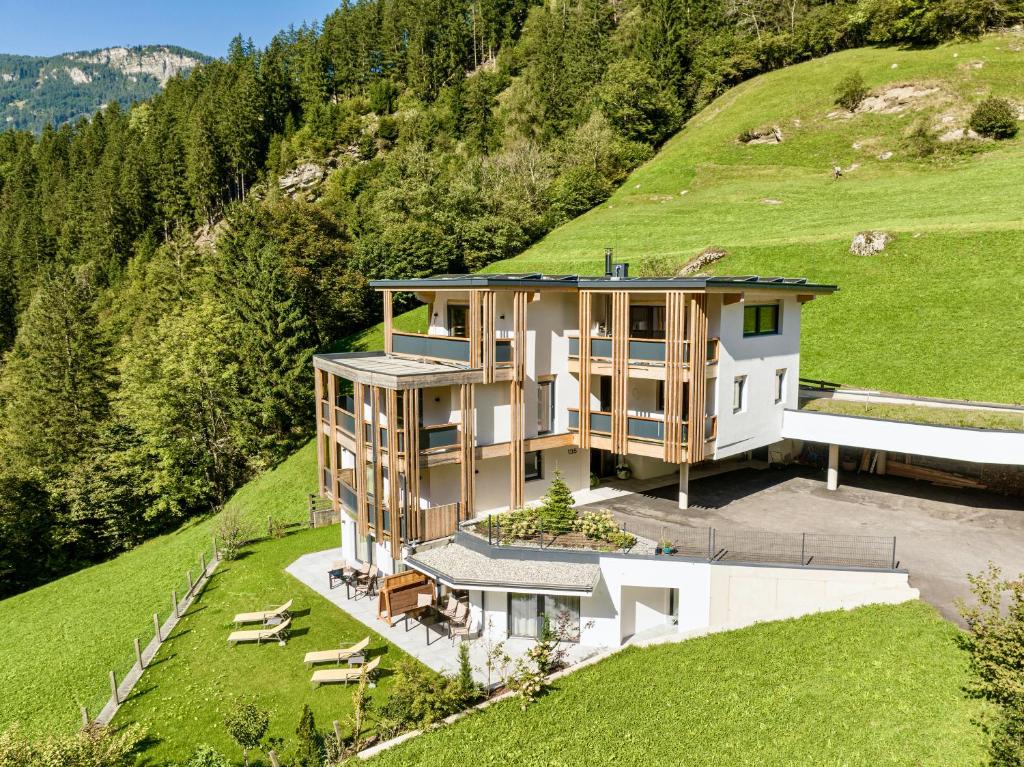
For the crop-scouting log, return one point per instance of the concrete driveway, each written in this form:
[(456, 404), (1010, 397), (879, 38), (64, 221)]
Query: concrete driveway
[(941, 534)]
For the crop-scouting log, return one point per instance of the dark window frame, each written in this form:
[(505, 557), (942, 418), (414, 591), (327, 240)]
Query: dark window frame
[(464, 308), (527, 476), (538, 600), (767, 320)]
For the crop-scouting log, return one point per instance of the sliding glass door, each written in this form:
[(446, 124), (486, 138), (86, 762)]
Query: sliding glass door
[(522, 615)]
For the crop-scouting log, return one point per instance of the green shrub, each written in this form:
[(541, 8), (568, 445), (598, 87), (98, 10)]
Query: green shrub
[(994, 118), (207, 756), (247, 723), (922, 141), (92, 747), (851, 91), (597, 525), (311, 743), (420, 697)]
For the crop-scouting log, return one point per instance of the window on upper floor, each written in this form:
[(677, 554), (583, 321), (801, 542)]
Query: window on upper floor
[(532, 466), (760, 320), (545, 406), (646, 321), (780, 385), (457, 320), (739, 394)]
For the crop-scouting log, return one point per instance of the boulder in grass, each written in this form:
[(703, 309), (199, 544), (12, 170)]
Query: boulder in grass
[(869, 243)]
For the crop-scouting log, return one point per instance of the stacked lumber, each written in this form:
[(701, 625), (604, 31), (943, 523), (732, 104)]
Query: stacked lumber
[(935, 476)]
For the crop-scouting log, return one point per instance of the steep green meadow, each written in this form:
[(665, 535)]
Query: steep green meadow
[(939, 312), (61, 639)]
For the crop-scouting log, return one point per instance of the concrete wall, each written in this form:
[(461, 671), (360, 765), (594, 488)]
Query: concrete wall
[(492, 478), (745, 594), (758, 358), (978, 445)]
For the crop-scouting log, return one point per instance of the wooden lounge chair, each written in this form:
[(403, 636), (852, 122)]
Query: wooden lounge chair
[(275, 634), (346, 675), (336, 656), (264, 615)]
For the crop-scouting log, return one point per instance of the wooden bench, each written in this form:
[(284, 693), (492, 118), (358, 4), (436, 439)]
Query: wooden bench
[(399, 594)]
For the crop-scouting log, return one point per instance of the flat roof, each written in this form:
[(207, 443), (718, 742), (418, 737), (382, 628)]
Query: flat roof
[(536, 280), (392, 372), (462, 567)]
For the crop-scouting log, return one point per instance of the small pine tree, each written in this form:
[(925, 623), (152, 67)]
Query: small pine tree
[(311, 743), (466, 684), (557, 512)]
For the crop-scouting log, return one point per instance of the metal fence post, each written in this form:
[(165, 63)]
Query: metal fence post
[(156, 627), (113, 688), (893, 552), (803, 549), (489, 543)]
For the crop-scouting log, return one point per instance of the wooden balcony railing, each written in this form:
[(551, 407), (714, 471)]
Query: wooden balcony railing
[(439, 521)]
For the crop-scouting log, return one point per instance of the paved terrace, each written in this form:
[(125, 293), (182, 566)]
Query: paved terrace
[(441, 654)]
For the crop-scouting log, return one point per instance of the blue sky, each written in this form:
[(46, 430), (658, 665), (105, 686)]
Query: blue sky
[(48, 27)]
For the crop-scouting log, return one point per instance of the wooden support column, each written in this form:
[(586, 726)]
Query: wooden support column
[(389, 309), (378, 475), (620, 370), (473, 327), (411, 463), (586, 311), (394, 464), (520, 299), (332, 398), (675, 375), (698, 377), (362, 520), (467, 450), (487, 299)]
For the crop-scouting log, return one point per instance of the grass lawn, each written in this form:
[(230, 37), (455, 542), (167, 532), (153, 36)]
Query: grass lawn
[(62, 639), (879, 685), (941, 416), (937, 313), (184, 697)]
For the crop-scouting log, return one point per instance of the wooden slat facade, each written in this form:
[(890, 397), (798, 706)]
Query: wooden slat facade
[(467, 443), (586, 308), (362, 492), (675, 376), (698, 337)]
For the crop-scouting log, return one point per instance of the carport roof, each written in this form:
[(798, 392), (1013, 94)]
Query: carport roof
[(462, 567)]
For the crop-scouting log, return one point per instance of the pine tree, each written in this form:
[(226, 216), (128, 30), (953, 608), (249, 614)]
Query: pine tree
[(310, 751), (557, 512), (57, 380)]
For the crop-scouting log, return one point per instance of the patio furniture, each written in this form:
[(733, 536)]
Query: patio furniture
[(458, 624), (367, 584), (434, 620), (400, 593), (356, 660), (346, 675), (336, 656), (338, 573), (264, 616), (449, 609), (276, 634), (353, 575)]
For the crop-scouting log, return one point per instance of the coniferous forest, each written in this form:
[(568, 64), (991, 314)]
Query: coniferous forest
[(160, 298)]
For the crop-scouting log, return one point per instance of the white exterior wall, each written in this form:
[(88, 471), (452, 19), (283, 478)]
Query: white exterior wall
[(493, 477), (493, 413), (758, 358)]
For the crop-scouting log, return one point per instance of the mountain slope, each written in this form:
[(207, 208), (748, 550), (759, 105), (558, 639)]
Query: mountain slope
[(35, 90), (939, 311)]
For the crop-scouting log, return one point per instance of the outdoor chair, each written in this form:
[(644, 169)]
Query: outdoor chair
[(367, 584), (458, 624), (336, 656), (449, 609), (276, 634), (264, 615), (339, 573), (346, 675)]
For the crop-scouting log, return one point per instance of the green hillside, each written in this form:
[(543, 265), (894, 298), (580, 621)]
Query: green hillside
[(63, 638), (937, 311)]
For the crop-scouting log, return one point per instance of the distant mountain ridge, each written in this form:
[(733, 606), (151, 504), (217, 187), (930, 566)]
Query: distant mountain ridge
[(35, 90)]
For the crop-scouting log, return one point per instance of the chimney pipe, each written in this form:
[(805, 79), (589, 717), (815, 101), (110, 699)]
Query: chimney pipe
[(607, 262)]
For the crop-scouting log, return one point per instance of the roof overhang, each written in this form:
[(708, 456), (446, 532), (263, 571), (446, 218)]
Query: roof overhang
[(394, 372)]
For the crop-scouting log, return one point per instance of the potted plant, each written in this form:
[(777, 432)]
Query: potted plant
[(622, 470), (594, 480), (665, 546)]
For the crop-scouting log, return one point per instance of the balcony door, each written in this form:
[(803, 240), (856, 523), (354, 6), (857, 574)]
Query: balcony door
[(458, 315), (545, 406), (646, 321)]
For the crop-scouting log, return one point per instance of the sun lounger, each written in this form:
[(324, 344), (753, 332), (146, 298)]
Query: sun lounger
[(346, 675), (264, 615), (336, 656), (274, 634)]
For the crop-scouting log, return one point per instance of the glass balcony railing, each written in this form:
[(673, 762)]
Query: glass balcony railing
[(646, 350), (346, 421), (325, 411), (435, 437), (650, 429), (574, 346), (451, 348), (503, 351), (574, 420), (600, 423), (601, 347), (347, 496)]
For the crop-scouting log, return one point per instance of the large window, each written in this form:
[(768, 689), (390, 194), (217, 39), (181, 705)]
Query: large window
[(457, 314), (647, 321), (527, 613), (761, 320), (532, 469)]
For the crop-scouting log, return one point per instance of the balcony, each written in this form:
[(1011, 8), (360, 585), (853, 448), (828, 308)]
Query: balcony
[(647, 351), (346, 421), (503, 352), (645, 428), (440, 437), (449, 348), (347, 497), (600, 422)]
